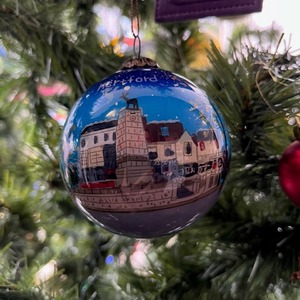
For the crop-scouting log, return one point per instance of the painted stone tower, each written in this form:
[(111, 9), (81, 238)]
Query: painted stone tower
[(131, 147)]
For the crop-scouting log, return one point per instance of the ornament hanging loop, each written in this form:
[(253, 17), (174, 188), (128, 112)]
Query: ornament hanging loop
[(134, 15), (137, 40), (137, 61)]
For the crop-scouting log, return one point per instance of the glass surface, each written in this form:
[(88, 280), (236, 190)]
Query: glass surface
[(144, 153)]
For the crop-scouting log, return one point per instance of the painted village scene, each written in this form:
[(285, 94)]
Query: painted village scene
[(129, 164)]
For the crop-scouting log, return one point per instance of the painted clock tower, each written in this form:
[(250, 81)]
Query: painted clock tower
[(131, 147)]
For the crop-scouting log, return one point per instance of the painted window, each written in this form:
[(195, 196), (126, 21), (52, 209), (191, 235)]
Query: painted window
[(187, 148), (164, 131), (106, 137), (82, 143), (95, 139), (169, 151)]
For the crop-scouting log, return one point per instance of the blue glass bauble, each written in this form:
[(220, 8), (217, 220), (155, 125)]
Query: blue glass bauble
[(144, 152)]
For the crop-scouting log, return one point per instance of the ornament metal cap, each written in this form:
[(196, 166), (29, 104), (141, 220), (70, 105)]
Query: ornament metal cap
[(139, 62)]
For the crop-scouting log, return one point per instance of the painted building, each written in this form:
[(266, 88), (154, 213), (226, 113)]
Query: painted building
[(129, 151)]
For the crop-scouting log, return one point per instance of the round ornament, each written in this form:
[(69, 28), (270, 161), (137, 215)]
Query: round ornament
[(289, 171), (144, 153)]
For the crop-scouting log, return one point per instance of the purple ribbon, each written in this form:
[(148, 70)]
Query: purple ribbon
[(182, 10)]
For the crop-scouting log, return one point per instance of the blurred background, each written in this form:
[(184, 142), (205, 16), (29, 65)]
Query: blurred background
[(247, 247)]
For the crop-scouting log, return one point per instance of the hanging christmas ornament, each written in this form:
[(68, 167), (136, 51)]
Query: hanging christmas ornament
[(144, 152), (289, 169)]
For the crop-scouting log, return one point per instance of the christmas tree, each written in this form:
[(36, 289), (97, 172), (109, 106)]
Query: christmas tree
[(246, 247)]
